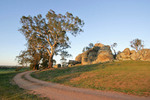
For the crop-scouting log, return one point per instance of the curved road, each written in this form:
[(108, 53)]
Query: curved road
[(60, 92)]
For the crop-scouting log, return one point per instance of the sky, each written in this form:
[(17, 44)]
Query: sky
[(106, 21)]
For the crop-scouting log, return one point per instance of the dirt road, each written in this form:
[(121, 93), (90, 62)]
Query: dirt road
[(61, 92)]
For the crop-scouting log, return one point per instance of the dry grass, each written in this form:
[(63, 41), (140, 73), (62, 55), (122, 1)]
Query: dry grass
[(131, 77)]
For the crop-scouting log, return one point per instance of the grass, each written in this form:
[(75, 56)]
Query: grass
[(7, 70), (9, 90), (130, 77)]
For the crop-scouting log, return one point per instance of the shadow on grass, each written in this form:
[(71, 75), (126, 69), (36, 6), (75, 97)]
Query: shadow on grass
[(130, 77), (63, 75)]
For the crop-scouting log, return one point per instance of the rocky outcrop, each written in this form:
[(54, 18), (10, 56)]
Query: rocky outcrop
[(134, 55), (99, 53), (78, 58), (125, 55), (143, 55), (104, 56), (102, 53)]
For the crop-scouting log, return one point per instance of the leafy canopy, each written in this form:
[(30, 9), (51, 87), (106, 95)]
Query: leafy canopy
[(50, 33)]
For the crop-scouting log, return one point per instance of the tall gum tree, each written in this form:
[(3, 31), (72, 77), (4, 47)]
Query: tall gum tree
[(51, 33)]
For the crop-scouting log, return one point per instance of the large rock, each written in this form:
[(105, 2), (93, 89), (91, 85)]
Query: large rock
[(126, 51), (78, 58), (99, 53), (132, 52), (85, 60), (99, 45), (125, 55), (134, 56), (104, 56), (144, 54)]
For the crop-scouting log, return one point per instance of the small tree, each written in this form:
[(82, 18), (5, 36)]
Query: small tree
[(64, 55), (114, 45), (91, 45), (31, 57), (137, 44)]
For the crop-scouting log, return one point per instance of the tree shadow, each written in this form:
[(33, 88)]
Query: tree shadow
[(63, 75)]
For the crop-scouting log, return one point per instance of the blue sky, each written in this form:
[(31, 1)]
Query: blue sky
[(106, 21)]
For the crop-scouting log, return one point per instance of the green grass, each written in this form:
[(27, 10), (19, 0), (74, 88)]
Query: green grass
[(130, 77), (9, 90), (7, 70)]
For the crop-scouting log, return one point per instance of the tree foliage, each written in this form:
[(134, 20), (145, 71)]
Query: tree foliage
[(50, 33), (64, 55), (137, 44), (32, 57), (91, 45), (113, 46)]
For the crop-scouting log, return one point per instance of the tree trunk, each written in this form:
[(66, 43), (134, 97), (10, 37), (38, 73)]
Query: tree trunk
[(37, 66), (50, 63), (115, 54)]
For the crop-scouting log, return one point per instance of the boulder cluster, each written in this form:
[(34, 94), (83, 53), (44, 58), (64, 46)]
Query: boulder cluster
[(102, 53), (128, 54)]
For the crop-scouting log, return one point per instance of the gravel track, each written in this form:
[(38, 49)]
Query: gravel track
[(56, 91)]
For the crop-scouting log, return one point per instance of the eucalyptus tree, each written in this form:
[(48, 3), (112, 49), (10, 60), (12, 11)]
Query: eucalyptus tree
[(113, 46), (52, 32), (137, 44)]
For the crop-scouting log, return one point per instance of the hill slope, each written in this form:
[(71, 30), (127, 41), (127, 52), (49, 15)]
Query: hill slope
[(9, 90), (131, 77)]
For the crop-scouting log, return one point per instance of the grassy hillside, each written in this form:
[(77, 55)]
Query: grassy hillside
[(9, 90), (131, 77)]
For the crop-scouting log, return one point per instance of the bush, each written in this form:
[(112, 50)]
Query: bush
[(18, 68)]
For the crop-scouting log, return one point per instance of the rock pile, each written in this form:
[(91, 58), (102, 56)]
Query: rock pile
[(102, 53), (143, 55), (99, 53)]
